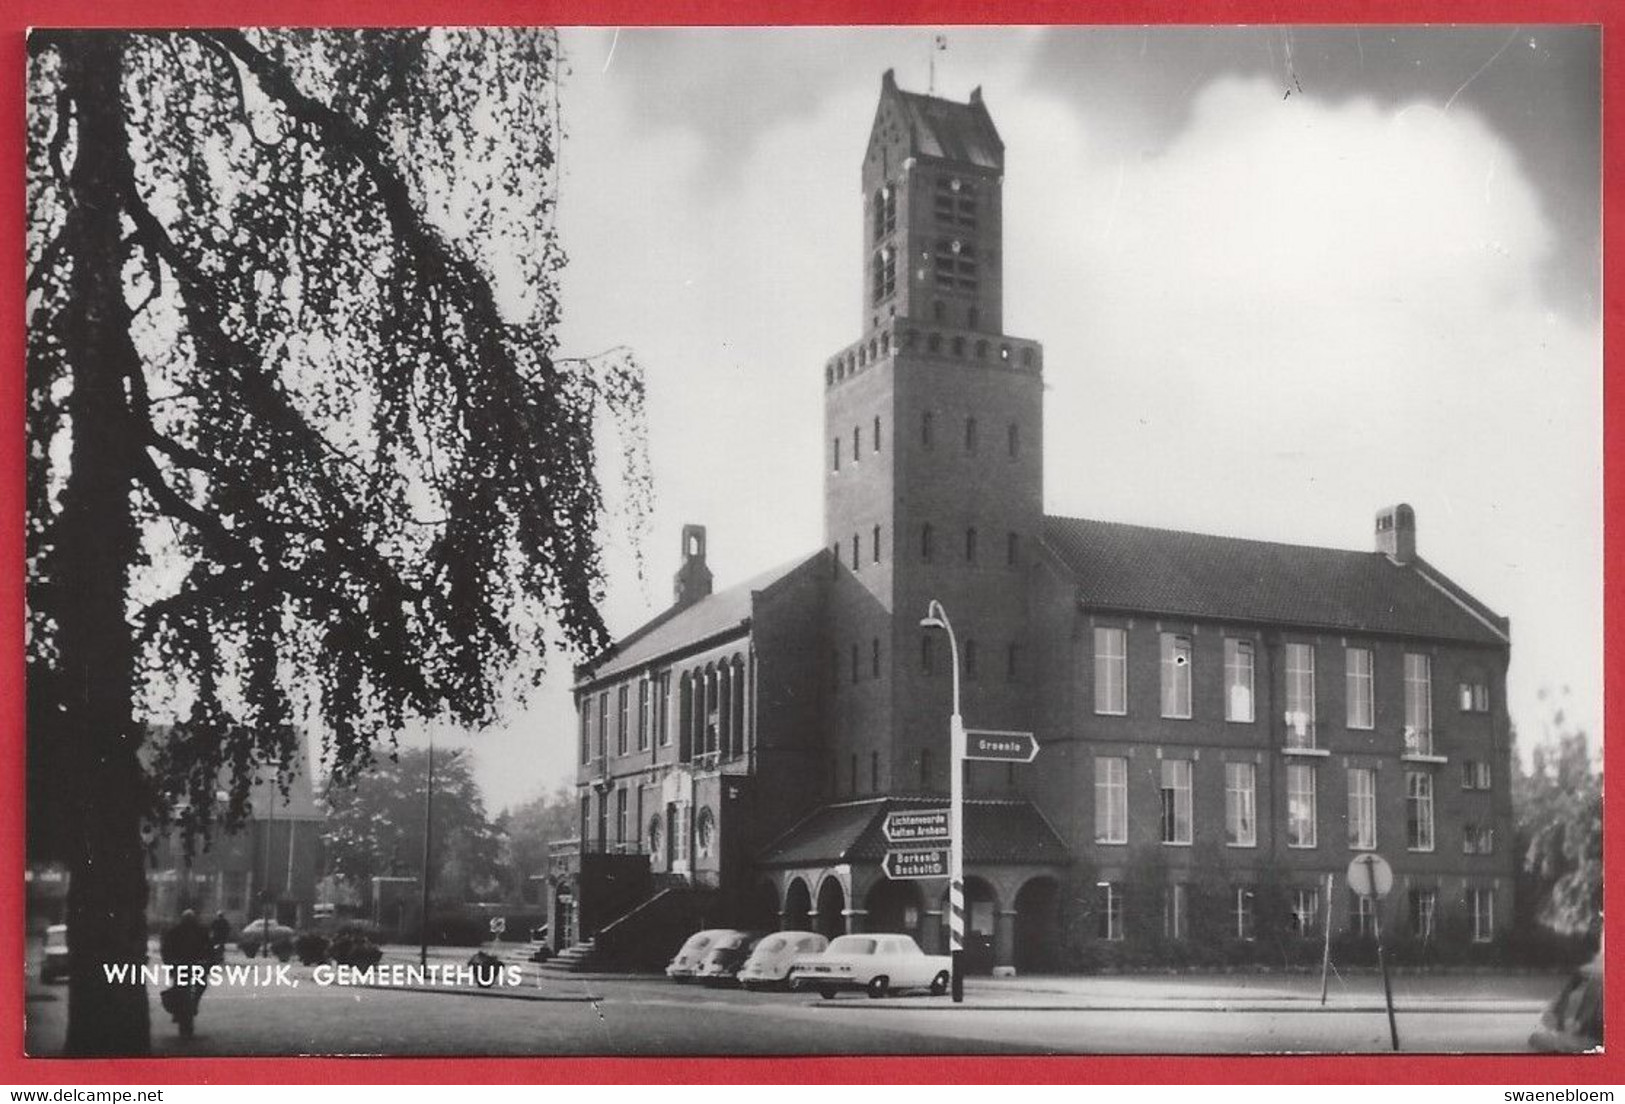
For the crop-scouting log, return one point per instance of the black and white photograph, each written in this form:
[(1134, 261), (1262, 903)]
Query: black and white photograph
[(752, 541)]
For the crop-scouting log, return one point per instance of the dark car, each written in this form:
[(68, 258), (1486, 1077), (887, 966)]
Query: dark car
[(721, 963), (1573, 1023)]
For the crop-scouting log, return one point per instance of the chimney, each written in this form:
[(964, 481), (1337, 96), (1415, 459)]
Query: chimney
[(1396, 533), (693, 580)]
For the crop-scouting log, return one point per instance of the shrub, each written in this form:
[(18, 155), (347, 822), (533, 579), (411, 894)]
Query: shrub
[(354, 946), (310, 947)]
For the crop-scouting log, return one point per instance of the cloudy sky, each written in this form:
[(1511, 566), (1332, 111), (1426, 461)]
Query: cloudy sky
[(1283, 277)]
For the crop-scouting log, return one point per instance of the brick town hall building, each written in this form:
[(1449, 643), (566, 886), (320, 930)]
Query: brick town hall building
[(1222, 722)]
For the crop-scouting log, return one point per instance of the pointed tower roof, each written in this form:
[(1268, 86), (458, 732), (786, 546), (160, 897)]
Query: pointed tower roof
[(943, 128)]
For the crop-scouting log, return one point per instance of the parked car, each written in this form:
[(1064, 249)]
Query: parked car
[(55, 965), (253, 937), (1573, 1023), (878, 964), (768, 966), (687, 961), (721, 963)]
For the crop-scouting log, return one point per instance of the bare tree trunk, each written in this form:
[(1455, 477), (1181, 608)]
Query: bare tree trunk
[(100, 783)]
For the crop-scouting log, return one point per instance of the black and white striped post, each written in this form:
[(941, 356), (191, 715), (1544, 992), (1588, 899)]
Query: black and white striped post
[(937, 618)]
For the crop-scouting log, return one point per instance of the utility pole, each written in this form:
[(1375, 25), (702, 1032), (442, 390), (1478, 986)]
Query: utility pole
[(937, 618), (428, 832)]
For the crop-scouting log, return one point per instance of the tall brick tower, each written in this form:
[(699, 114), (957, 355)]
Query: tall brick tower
[(933, 460)]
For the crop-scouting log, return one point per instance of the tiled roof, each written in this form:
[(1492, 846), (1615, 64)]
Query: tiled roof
[(996, 832), (710, 616), (955, 131), (1180, 574)]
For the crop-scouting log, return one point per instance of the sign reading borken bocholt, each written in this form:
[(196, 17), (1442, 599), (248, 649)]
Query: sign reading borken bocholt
[(916, 825), (931, 863)]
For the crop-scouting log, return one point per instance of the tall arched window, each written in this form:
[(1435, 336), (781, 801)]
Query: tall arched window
[(685, 718)]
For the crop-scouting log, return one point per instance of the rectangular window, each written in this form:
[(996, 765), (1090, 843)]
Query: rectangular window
[(1300, 805), (1362, 809), (623, 699), (586, 728), (1300, 695), (1362, 915), (620, 816), (857, 444), (1418, 704), (1474, 697), (1424, 902), (874, 551), (1111, 800), (1305, 917), (1238, 680), (1242, 913), (928, 655), (1477, 839), (970, 434), (1419, 811), (1176, 676), (643, 713), (835, 455), (877, 433), (1361, 699), (1110, 917), (1111, 671), (1014, 442), (1176, 801), (1240, 805), (662, 698), (603, 725), (1481, 912), (1475, 775), (1176, 911)]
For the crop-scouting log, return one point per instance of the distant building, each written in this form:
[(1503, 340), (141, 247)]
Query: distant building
[(1215, 715), (270, 866)]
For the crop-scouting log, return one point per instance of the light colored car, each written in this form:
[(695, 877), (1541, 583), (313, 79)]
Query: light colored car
[(721, 963), (1573, 1023), (768, 966), (686, 963), (878, 964), (56, 954)]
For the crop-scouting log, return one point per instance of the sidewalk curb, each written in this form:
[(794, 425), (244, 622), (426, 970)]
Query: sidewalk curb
[(515, 993), (1509, 1008)]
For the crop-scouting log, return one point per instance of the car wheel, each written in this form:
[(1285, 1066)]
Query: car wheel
[(827, 992), (879, 986), (939, 984)]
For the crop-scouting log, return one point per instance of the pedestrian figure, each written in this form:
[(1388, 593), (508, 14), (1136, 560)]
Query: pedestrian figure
[(185, 944), (219, 936)]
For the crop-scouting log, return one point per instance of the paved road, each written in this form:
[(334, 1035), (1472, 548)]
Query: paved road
[(634, 1017)]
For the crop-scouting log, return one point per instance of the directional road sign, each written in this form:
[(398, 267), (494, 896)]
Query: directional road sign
[(1370, 875), (916, 825), (1003, 747), (900, 865)]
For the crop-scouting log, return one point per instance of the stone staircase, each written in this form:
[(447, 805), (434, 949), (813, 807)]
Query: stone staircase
[(582, 958)]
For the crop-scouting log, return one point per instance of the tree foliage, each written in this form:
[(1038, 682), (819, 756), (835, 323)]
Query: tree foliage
[(302, 449), (531, 827), (1558, 804), (376, 826)]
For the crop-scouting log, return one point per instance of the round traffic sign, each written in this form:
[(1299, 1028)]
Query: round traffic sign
[(498, 925), (1369, 875)]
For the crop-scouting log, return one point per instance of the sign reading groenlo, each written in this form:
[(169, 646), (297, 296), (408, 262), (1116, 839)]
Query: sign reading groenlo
[(901, 865), (1000, 746), (916, 826)]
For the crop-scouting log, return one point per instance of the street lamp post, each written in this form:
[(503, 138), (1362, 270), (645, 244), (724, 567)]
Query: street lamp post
[(428, 831), (937, 618)]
